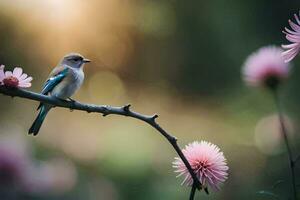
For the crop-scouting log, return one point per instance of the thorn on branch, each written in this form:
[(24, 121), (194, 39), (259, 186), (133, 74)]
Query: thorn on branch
[(154, 117), (105, 111), (172, 139), (126, 108)]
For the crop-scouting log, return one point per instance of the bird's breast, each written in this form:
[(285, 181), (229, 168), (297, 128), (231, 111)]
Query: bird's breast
[(69, 85)]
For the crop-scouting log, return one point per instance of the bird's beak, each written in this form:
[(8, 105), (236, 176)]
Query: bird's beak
[(85, 60)]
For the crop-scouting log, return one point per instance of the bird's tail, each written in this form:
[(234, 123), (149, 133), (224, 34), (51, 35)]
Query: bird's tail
[(35, 127)]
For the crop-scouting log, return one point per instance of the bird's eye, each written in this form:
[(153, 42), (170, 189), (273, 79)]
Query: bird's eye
[(76, 59)]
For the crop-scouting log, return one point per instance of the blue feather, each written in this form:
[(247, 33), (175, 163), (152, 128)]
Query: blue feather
[(35, 127), (53, 81)]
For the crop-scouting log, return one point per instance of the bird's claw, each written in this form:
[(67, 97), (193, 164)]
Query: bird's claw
[(69, 100), (72, 102)]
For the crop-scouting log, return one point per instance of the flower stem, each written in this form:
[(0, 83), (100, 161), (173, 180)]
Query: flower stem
[(193, 192), (286, 141), (297, 159)]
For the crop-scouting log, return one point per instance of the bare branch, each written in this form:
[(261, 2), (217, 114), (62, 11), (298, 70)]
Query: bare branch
[(104, 110)]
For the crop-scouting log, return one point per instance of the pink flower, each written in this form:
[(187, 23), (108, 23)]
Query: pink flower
[(292, 36), (14, 161), (265, 67), (208, 163), (14, 79), (10, 167)]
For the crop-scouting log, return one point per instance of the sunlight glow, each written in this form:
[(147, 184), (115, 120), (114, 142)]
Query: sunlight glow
[(62, 11)]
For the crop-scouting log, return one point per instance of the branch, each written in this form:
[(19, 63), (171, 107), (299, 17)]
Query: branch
[(104, 110)]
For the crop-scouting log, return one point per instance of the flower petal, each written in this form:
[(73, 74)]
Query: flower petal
[(2, 75), (288, 31), (294, 26), (23, 76), (24, 85), (297, 18), (294, 37), (27, 80), (8, 73), (289, 46), (17, 72)]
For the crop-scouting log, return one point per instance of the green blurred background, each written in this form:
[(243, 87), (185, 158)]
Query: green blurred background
[(180, 59)]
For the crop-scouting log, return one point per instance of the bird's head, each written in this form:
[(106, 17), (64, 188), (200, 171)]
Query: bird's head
[(74, 60)]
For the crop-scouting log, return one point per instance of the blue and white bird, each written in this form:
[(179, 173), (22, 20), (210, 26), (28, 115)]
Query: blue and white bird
[(65, 79)]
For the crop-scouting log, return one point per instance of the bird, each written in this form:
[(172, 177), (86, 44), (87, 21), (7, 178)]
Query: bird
[(64, 80)]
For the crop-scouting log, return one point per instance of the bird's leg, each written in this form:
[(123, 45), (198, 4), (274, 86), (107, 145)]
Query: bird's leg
[(73, 103), (60, 99), (67, 101), (70, 99)]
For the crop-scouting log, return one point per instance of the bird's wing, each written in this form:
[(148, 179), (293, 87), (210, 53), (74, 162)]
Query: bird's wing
[(56, 76)]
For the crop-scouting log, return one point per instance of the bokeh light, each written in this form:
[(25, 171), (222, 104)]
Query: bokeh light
[(268, 134)]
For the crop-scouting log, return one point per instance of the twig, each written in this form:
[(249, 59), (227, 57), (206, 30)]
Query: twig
[(104, 110), (286, 141)]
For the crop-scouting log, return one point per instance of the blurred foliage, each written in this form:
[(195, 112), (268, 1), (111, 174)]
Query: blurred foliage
[(180, 59)]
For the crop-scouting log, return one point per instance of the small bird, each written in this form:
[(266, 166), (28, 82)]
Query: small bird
[(64, 80)]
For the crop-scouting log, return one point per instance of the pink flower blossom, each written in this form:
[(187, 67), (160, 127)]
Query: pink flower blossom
[(11, 167), (292, 36), (208, 163), (14, 161), (265, 67), (15, 79)]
